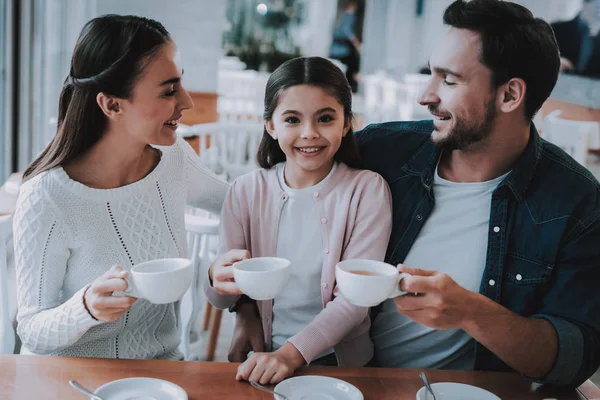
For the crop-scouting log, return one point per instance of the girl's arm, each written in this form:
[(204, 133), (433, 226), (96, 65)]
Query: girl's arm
[(46, 322), (205, 189), (369, 240)]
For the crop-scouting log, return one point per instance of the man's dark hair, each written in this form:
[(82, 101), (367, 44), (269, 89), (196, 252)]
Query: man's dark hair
[(514, 44)]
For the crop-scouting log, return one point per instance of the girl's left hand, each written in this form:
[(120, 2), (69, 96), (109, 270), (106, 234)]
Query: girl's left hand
[(271, 368)]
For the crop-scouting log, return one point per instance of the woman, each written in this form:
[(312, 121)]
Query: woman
[(107, 193)]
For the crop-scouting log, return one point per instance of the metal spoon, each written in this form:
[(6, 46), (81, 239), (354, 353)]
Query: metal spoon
[(266, 389), (77, 386), (427, 385)]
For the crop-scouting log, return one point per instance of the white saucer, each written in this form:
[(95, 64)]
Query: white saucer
[(455, 391), (317, 388), (141, 389)]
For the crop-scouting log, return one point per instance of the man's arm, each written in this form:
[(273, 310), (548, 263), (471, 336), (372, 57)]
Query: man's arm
[(248, 332), (559, 345), (527, 345)]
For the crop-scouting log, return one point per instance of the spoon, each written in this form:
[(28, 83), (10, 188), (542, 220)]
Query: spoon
[(76, 385), (266, 389), (426, 383)]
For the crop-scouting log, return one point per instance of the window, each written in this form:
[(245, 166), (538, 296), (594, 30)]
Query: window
[(6, 60), (48, 32)]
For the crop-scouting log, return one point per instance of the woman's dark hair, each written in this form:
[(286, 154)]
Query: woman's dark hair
[(514, 43), (314, 71), (109, 57)]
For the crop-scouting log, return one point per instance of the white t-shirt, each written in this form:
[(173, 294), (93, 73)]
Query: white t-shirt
[(453, 241), (300, 240)]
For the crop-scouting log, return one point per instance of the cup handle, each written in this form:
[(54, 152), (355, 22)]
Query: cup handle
[(397, 292), (131, 290)]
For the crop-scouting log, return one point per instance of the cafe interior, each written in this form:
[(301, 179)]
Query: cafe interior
[(228, 49)]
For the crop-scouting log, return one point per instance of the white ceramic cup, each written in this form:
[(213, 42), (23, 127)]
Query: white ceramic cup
[(262, 278), (368, 290), (159, 281)]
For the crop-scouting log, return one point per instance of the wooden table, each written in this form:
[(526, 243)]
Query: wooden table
[(45, 377)]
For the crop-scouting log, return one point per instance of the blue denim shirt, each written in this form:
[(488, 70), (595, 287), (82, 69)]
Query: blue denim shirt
[(543, 257)]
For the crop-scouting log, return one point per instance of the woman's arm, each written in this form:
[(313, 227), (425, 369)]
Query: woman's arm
[(45, 325), (205, 189)]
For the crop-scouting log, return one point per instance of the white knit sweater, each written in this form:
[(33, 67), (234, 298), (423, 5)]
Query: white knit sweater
[(67, 234)]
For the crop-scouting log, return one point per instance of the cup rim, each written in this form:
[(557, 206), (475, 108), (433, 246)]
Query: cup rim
[(284, 260), (379, 276), (185, 263)]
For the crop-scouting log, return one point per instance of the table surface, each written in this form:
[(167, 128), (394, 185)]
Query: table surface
[(46, 377)]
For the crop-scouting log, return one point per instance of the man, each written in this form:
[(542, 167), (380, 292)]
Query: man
[(501, 227)]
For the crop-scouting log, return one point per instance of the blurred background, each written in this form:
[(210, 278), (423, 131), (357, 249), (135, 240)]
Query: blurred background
[(229, 48)]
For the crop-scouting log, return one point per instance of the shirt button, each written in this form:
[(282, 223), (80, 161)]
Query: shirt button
[(324, 285), (519, 277), (419, 217), (326, 251), (323, 220), (316, 194), (283, 197), (492, 282), (496, 229)]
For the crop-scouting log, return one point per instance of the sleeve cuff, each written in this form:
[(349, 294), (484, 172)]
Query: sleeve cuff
[(220, 301), (81, 316), (310, 343), (570, 352)]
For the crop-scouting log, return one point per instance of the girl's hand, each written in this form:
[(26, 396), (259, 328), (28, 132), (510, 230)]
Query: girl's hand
[(221, 273), (98, 298), (271, 368)]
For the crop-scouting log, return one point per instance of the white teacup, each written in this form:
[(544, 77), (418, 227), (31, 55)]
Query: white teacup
[(160, 281), (262, 278), (366, 283)]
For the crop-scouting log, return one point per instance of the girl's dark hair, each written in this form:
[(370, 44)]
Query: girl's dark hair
[(314, 71), (109, 57)]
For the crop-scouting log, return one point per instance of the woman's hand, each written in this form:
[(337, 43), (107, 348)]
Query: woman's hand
[(221, 273), (271, 368), (100, 302)]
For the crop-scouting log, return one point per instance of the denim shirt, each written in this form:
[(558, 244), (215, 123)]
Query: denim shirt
[(543, 257)]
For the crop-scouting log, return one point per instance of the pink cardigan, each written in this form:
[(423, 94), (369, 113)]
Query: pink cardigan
[(356, 211)]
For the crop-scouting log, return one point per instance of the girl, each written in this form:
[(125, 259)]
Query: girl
[(103, 194), (312, 205)]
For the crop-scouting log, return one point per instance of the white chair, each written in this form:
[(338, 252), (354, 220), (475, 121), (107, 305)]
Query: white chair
[(237, 144), (231, 63), (200, 229), (574, 137), (7, 332), (414, 85), (207, 151), (591, 127)]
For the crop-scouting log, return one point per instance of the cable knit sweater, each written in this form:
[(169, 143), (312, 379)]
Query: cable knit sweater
[(67, 234)]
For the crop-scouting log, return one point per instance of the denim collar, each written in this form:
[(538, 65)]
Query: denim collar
[(425, 160)]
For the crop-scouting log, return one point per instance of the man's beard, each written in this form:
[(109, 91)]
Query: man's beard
[(466, 133)]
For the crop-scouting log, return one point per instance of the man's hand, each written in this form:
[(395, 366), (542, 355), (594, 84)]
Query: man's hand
[(271, 368), (248, 333), (529, 345), (441, 303)]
